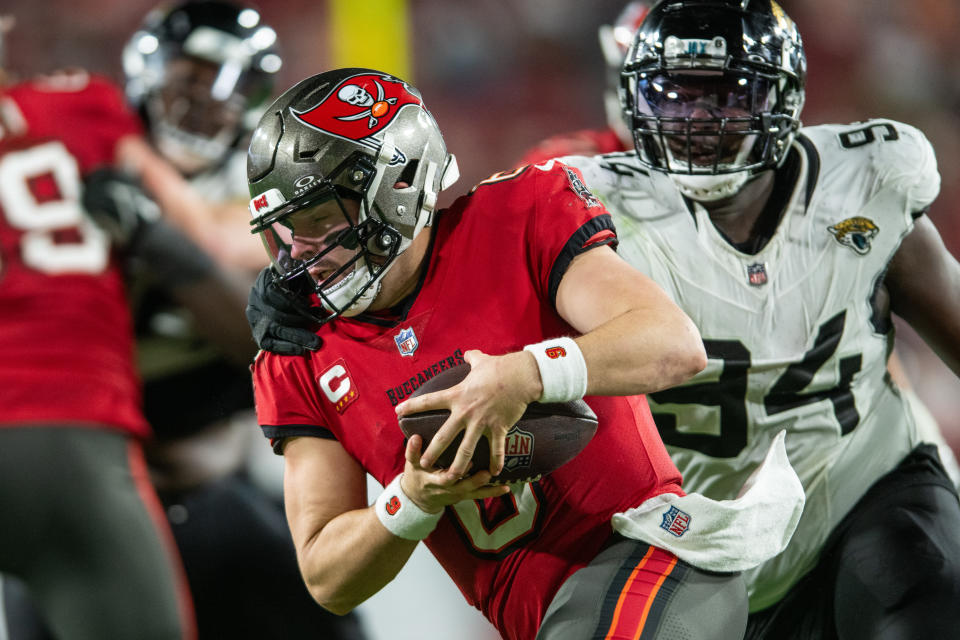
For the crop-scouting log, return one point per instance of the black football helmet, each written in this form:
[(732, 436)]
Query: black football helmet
[(714, 90), (199, 72), (344, 172)]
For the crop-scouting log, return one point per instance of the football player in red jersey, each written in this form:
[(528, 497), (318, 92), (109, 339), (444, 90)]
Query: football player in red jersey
[(344, 171), (82, 524)]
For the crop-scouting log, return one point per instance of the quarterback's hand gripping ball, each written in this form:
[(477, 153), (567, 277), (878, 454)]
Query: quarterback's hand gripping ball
[(546, 437)]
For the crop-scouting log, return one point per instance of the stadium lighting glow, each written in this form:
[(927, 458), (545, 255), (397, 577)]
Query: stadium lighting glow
[(248, 18), (263, 38), (147, 44)]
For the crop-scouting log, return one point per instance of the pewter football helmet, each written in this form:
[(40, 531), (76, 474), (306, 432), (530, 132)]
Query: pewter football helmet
[(348, 134)]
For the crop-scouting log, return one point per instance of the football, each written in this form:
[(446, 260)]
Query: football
[(546, 437)]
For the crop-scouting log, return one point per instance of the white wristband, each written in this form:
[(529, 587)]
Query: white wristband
[(401, 516), (563, 371)]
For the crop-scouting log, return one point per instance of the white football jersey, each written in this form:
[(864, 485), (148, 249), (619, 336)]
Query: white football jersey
[(791, 333)]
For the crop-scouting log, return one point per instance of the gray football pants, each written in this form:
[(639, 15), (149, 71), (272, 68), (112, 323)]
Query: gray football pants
[(633, 591), (84, 531)]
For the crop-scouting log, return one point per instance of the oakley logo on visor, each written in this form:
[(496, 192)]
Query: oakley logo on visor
[(266, 202)]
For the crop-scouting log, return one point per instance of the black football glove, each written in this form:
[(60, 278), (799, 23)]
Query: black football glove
[(277, 319), (117, 203)]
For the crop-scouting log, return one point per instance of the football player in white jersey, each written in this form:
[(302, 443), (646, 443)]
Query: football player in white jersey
[(790, 247)]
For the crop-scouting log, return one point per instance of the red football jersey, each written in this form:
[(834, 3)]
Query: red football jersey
[(587, 142), (496, 260), (65, 328)]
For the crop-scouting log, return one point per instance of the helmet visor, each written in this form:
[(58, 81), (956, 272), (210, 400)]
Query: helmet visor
[(703, 121), (705, 94), (203, 98)]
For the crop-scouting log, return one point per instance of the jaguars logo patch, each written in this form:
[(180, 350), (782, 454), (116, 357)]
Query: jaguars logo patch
[(857, 233)]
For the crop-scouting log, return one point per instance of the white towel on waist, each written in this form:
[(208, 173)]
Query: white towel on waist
[(724, 535)]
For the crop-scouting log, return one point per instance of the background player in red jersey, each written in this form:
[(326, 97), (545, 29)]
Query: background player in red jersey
[(196, 72), (199, 73), (344, 174), (82, 525)]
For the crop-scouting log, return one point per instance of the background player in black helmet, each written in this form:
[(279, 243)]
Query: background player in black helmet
[(199, 73)]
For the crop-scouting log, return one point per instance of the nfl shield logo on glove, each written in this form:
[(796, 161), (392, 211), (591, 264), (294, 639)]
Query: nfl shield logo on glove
[(676, 521), (406, 341)]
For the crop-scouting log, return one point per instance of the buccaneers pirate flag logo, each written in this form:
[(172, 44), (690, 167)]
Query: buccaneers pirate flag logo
[(359, 107)]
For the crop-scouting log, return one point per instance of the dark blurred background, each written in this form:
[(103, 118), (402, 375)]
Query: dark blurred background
[(500, 75)]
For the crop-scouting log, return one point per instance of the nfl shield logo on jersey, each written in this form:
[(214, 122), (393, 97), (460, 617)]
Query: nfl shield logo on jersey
[(406, 341), (676, 521), (757, 274)]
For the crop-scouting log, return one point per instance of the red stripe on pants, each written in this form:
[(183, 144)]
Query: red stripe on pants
[(638, 594), (141, 478)]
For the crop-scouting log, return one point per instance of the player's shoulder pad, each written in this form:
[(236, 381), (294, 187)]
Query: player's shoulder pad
[(604, 169), (531, 182), (894, 155), (274, 365), (625, 186)]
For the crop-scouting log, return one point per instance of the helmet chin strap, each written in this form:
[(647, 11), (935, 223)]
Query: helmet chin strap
[(343, 292), (367, 298), (708, 188)]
